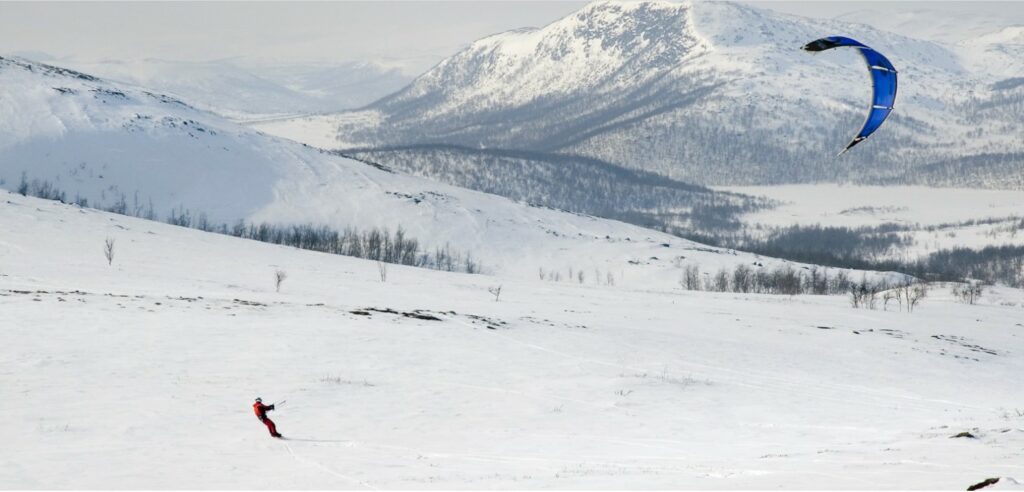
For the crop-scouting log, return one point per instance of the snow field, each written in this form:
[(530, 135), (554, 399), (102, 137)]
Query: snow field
[(140, 375)]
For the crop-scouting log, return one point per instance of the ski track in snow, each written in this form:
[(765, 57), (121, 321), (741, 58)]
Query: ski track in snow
[(326, 469), (762, 381)]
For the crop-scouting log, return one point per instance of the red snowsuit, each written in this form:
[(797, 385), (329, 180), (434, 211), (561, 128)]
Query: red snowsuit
[(261, 413)]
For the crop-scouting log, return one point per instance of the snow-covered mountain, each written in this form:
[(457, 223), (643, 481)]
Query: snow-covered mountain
[(1000, 52), (105, 143), (711, 92), (246, 89)]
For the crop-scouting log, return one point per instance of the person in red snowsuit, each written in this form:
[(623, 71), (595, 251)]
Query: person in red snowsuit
[(261, 413)]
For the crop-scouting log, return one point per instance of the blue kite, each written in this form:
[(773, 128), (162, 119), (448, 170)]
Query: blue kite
[(883, 78)]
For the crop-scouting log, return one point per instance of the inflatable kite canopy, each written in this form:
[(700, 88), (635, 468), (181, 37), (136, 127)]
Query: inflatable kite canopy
[(883, 78)]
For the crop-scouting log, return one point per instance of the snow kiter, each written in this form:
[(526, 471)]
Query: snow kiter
[(883, 79)]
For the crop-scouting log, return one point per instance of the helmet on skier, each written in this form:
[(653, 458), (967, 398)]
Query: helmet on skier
[(259, 400)]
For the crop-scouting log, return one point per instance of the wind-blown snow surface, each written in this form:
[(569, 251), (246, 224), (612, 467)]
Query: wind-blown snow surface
[(140, 375), (100, 141)]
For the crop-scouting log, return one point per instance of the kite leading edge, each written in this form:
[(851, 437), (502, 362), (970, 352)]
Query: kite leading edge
[(883, 79)]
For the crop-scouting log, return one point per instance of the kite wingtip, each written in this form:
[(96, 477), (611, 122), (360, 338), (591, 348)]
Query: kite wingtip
[(850, 146)]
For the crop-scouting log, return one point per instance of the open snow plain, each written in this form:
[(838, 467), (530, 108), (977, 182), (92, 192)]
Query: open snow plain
[(935, 218), (141, 375)]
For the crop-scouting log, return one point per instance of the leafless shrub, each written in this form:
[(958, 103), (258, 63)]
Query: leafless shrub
[(691, 278), (346, 382), (495, 291), (721, 281), (279, 277), (742, 279), (864, 294), (968, 292), (108, 250), (886, 297), (915, 294)]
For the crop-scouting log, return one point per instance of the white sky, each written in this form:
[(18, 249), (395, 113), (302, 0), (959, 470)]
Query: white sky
[(412, 34)]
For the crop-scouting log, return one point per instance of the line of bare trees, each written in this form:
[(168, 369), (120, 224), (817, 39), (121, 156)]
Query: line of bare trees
[(379, 244), (577, 275), (907, 294), (782, 280)]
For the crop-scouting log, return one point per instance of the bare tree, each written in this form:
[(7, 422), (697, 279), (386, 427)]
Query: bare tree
[(903, 293), (742, 279), (23, 185), (721, 281), (864, 294), (886, 297), (968, 292), (108, 250), (975, 291), (915, 294), (279, 277), (691, 277), (382, 269), (495, 291)]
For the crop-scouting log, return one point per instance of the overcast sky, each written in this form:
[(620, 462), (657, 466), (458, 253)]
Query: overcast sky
[(414, 35)]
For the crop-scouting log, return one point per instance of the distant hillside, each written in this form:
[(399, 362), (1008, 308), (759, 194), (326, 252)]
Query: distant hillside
[(572, 183), (116, 146)]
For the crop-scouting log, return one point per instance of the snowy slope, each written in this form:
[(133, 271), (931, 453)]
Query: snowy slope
[(101, 142), (140, 375), (249, 90), (1001, 52), (712, 92)]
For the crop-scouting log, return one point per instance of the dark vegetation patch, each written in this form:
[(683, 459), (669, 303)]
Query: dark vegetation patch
[(489, 323), (244, 302), (570, 183), (869, 248), (962, 342), (984, 483), (414, 314)]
